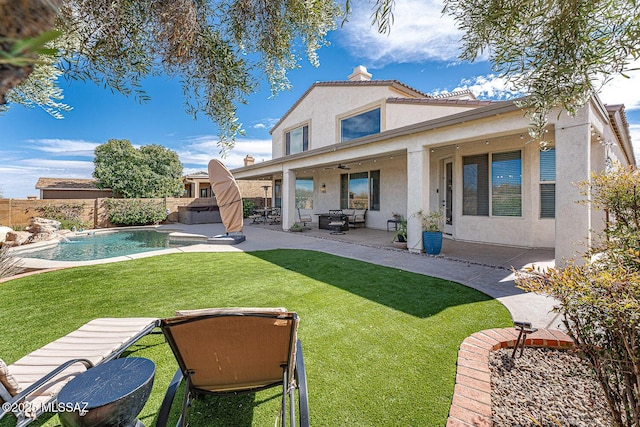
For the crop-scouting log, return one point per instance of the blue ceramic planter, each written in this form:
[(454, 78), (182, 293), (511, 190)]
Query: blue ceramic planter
[(432, 242)]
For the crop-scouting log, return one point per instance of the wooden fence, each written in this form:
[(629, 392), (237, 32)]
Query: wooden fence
[(16, 213)]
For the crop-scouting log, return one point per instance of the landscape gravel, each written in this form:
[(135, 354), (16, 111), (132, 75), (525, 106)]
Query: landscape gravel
[(545, 387)]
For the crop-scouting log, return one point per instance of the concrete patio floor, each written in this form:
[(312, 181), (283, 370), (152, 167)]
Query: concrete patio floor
[(483, 254)]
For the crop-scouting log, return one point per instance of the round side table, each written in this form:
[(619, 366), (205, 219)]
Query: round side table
[(111, 394)]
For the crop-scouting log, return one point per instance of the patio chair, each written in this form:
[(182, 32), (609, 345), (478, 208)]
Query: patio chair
[(30, 385), (337, 221), (236, 350), (304, 219), (275, 216)]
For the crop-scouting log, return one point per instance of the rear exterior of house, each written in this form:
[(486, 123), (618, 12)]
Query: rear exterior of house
[(388, 148)]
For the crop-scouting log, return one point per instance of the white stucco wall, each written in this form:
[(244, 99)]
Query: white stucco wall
[(399, 115)]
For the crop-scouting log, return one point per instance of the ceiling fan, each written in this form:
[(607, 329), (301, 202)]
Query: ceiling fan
[(345, 167)]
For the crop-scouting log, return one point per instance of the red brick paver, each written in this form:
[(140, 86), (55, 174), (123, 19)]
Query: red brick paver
[(471, 405)]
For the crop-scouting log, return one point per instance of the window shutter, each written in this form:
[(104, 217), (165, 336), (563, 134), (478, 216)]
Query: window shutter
[(288, 143), (305, 138)]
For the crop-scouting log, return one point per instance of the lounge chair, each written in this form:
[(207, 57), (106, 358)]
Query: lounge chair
[(234, 350), (32, 383), (304, 219)]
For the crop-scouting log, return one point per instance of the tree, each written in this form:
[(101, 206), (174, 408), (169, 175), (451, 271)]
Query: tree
[(557, 52), (213, 46), (151, 171)]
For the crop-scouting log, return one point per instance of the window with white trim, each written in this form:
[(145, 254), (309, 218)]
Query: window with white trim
[(360, 190), (304, 193), (297, 140), (492, 184), (360, 125)]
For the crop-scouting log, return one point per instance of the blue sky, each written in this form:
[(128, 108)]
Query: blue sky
[(421, 51)]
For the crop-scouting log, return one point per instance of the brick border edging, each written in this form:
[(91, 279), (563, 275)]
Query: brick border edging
[(471, 405)]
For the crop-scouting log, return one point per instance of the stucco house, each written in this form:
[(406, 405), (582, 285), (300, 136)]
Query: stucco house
[(383, 145)]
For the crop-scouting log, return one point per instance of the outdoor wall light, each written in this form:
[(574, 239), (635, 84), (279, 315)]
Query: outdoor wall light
[(323, 188)]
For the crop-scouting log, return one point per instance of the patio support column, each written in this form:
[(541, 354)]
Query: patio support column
[(288, 211), (196, 189), (417, 194), (573, 164)]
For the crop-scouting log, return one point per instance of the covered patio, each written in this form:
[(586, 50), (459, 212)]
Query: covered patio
[(497, 256)]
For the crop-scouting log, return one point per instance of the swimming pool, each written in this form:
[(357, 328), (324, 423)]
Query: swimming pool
[(92, 246)]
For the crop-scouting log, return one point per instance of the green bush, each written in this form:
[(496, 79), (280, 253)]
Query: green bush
[(600, 297), (135, 211), (247, 207), (69, 214)]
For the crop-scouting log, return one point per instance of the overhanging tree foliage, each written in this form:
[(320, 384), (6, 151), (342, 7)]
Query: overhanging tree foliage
[(215, 47), (557, 52), (151, 171)]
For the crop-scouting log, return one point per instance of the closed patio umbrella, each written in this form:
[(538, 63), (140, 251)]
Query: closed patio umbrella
[(228, 196)]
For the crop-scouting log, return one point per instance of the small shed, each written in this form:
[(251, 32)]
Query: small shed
[(71, 188)]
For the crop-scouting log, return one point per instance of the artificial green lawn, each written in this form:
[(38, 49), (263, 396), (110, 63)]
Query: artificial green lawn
[(380, 344)]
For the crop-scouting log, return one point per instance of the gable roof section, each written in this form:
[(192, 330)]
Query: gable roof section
[(395, 84), (68, 184)]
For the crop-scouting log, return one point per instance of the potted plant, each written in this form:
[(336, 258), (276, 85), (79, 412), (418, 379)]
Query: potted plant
[(297, 227), (400, 238), (432, 228)]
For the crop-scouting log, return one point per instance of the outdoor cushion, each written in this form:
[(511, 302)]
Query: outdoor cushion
[(7, 380), (96, 341)]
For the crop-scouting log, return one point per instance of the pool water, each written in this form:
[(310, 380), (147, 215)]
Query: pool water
[(106, 245)]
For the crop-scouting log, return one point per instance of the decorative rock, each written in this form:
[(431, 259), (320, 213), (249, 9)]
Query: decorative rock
[(17, 238), (43, 225), (545, 387), (3, 233)]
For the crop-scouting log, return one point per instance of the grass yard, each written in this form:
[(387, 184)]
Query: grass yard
[(380, 344)]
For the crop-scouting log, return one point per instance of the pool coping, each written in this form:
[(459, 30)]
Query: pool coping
[(471, 403)]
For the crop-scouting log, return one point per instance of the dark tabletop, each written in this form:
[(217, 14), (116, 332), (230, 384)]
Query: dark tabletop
[(108, 382)]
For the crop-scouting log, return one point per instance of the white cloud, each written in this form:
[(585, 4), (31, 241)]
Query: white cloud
[(200, 150), (623, 90), (66, 147), (18, 180), (487, 87), (420, 32)]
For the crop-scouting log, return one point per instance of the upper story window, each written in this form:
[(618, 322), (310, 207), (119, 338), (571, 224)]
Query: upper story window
[(363, 124), (297, 140)]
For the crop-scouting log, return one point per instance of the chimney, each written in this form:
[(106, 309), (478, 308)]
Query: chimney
[(249, 160), (360, 74)]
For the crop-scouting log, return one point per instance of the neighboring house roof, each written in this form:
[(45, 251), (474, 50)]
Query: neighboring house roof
[(197, 175), (88, 184), (395, 84)]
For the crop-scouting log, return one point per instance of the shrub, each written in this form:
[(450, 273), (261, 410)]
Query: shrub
[(69, 214), (600, 297), (247, 207), (135, 211)]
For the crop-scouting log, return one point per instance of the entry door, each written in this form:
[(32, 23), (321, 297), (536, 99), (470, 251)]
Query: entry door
[(447, 201)]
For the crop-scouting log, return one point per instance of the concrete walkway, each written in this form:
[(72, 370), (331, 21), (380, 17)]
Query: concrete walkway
[(486, 268)]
